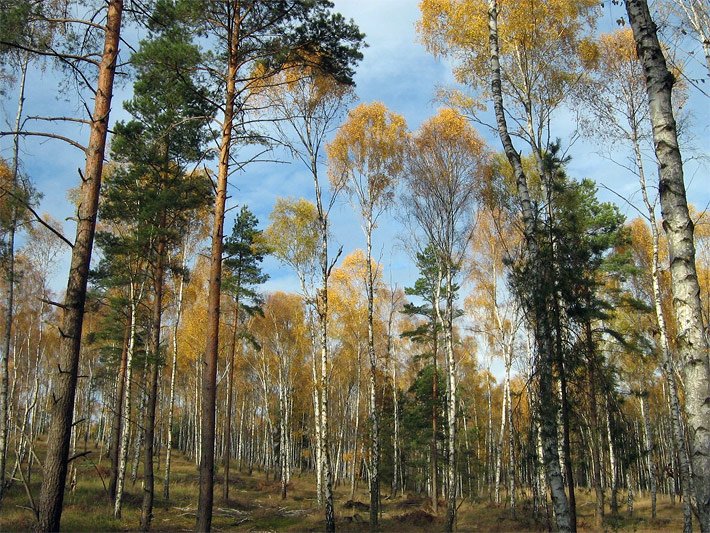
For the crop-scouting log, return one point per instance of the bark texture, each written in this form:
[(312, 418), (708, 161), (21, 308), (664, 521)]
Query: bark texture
[(64, 390), (691, 340)]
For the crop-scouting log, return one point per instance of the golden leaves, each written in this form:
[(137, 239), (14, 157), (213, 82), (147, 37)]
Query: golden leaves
[(367, 152), (293, 233), (459, 29)]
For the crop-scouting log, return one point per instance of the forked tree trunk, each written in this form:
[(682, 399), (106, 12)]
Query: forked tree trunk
[(64, 391), (691, 338), (542, 327)]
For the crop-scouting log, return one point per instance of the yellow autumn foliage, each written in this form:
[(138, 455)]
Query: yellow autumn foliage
[(367, 152)]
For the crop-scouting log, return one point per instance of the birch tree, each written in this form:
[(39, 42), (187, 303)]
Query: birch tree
[(445, 165), (366, 159), (615, 101), (691, 337), (306, 103), (529, 58)]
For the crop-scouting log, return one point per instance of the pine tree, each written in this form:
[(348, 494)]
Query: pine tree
[(244, 251)]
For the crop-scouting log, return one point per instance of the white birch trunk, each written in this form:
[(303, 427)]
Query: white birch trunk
[(126, 407)]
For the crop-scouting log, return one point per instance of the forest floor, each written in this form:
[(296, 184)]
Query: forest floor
[(256, 505)]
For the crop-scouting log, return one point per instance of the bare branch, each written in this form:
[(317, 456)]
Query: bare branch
[(47, 135)]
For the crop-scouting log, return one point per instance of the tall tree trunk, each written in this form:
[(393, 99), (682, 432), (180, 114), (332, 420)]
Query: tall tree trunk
[(374, 418), (357, 424), (648, 452), (148, 475), (434, 467), (10, 280), (55, 464), (173, 367), (668, 364), (614, 474), (691, 338), (542, 327), (501, 434), (209, 378), (446, 319)]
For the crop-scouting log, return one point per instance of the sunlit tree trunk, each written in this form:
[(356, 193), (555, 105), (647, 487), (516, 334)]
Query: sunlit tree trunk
[(64, 384), (209, 379), (691, 338), (374, 417), (667, 362)]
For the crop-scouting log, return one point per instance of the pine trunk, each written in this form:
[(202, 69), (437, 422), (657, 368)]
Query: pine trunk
[(148, 474), (209, 376), (64, 391)]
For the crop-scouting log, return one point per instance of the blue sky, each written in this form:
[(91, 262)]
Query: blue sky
[(396, 70)]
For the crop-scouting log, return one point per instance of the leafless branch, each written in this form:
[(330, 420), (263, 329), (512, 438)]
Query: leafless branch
[(45, 134)]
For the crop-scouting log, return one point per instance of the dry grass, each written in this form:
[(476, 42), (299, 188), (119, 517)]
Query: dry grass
[(255, 505)]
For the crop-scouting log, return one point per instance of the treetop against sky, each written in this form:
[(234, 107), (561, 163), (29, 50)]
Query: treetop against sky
[(396, 70)]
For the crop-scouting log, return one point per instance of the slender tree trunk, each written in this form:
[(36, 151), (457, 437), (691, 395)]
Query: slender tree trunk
[(446, 319), (55, 464), (614, 504), (648, 452), (691, 338), (140, 423), (374, 418), (594, 428), (548, 405), (357, 425), (434, 467), (173, 368), (209, 379), (395, 437), (501, 435), (511, 441), (10, 280), (230, 399), (126, 407), (117, 421), (148, 474)]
